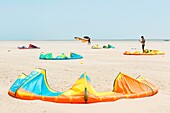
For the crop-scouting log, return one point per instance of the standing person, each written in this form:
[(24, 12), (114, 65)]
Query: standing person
[(143, 43)]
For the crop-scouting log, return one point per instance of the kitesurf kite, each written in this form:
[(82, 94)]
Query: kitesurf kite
[(84, 39), (146, 52), (62, 56), (31, 46), (35, 87)]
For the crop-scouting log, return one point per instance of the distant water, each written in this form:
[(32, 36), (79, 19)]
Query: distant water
[(97, 40), (116, 40), (132, 40)]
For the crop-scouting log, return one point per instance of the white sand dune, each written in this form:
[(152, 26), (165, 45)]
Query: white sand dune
[(102, 65)]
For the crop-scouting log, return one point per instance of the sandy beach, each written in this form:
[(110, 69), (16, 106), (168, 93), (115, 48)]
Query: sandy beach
[(102, 65)]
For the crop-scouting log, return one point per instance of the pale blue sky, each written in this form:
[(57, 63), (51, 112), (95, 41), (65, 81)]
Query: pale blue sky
[(99, 19)]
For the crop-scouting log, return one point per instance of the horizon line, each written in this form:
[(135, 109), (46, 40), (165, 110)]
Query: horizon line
[(166, 39)]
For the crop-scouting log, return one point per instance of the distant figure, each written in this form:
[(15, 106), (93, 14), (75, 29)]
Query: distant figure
[(86, 37), (143, 43)]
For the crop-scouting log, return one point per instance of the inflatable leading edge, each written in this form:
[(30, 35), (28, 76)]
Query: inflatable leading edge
[(35, 87)]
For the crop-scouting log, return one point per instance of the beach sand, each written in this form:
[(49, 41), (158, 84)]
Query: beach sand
[(102, 65)]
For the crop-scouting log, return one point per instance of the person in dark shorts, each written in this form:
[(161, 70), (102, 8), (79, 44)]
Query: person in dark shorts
[(143, 43)]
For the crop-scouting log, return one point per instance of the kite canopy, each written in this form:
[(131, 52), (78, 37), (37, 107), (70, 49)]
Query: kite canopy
[(35, 87), (62, 56), (109, 46), (84, 40), (96, 47), (146, 52), (31, 46)]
